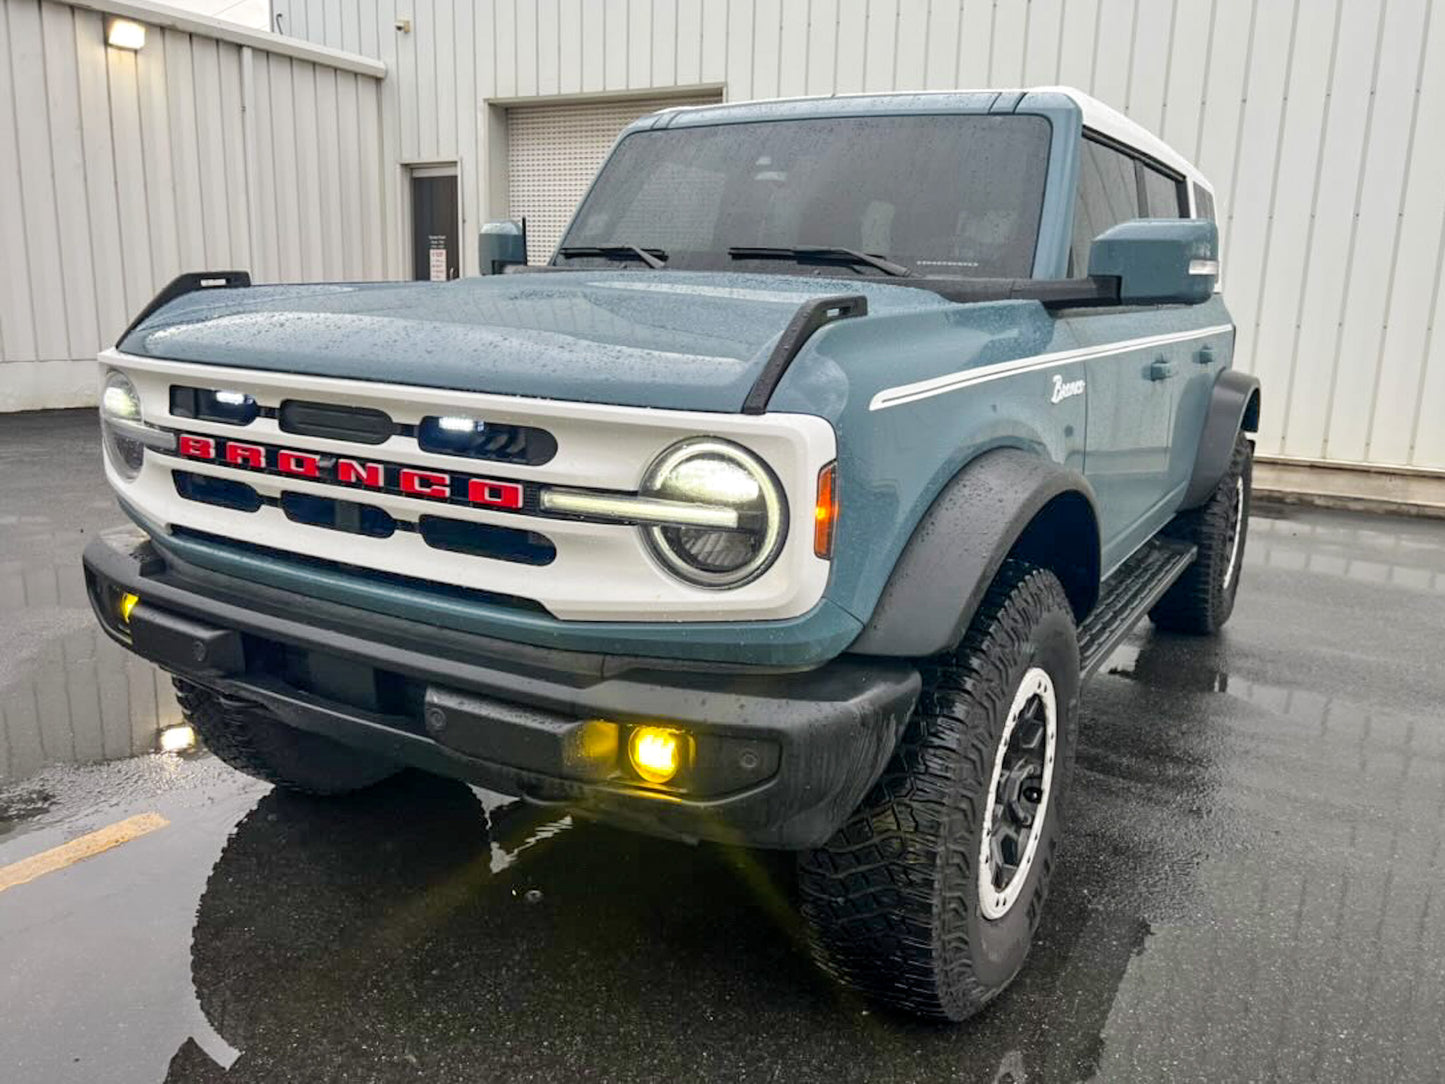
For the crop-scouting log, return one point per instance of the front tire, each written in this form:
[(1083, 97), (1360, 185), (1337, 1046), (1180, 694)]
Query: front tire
[(928, 897), (1202, 599), (252, 740)]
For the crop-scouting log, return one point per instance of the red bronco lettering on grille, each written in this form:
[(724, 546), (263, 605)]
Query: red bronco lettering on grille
[(303, 463), (494, 494), (196, 447), (245, 455), (426, 483), (350, 472), (355, 473)]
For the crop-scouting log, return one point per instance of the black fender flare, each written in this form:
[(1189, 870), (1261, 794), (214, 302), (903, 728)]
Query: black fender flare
[(1006, 501), (1233, 406)]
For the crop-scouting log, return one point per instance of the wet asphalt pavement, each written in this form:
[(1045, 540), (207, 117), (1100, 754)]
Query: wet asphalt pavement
[(1253, 885)]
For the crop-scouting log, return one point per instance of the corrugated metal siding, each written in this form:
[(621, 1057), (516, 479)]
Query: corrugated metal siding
[(1315, 119), (119, 170), (552, 153)]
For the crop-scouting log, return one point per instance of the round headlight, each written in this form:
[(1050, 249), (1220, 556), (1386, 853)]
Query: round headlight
[(715, 472), (119, 401)]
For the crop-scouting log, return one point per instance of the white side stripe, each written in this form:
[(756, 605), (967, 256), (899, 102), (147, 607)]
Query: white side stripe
[(940, 385)]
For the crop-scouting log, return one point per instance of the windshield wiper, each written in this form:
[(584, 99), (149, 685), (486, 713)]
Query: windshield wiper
[(653, 257), (823, 253)]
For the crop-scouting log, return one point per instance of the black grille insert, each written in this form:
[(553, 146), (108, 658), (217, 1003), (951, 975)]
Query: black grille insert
[(218, 491), (332, 422), (207, 405), (497, 441), (487, 540), (336, 515)]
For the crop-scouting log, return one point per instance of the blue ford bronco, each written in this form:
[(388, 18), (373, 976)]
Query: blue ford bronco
[(788, 505)]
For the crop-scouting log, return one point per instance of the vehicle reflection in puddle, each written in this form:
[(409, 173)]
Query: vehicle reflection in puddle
[(449, 940), (77, 698), (67, 694)]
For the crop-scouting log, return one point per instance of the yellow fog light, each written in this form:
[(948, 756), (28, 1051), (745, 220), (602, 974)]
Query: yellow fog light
[(656, 753), (127, 604)]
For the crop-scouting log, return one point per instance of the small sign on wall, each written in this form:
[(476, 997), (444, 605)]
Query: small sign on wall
[(438, 254)]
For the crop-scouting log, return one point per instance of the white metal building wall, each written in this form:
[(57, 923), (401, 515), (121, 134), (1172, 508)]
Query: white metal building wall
[(119, 170), (1317, 120), (553, 152)]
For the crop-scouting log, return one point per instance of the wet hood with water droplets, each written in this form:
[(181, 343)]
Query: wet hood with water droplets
[(676, 340)]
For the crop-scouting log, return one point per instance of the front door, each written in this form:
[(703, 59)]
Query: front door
[(435, 229)]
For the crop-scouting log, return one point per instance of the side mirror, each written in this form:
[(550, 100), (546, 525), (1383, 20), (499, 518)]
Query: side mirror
[(501, 243), (1159, 260)]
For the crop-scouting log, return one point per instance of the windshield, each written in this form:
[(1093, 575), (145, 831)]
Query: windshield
[(951, 194)]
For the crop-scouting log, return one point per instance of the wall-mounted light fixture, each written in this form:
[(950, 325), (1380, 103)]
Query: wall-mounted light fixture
[(125, 34)]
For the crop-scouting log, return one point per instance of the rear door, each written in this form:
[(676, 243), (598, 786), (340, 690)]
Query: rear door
[(1199, 363), (1130, 390)]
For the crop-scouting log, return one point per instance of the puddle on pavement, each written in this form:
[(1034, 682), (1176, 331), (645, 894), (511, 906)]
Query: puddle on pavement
[(1402, 551), (446, 939), (23, 804)]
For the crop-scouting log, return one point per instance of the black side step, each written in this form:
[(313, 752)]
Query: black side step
[(1128, 595)]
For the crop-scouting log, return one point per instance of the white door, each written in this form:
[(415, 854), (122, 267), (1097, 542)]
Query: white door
[(553, 152)]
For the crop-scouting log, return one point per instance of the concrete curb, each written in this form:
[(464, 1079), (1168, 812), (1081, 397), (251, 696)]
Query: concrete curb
[(1400, 491)]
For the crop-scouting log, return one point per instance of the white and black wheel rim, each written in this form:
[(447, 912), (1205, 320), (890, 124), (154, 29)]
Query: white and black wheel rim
[(1236, 532), (1019, 792)]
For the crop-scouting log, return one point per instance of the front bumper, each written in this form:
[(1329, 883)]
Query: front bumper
[(781, 756)]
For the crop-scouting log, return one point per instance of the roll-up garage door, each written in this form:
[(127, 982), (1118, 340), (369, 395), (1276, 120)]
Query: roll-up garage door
[(553, 151)]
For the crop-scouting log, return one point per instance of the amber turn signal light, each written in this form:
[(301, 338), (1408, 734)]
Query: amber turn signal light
[(825, 511)]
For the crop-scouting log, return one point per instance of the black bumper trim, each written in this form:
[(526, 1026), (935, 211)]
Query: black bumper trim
[(830, 730)]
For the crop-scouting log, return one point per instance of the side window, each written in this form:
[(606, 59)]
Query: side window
[(1163, 195), (1108, 194), (1204, 203)]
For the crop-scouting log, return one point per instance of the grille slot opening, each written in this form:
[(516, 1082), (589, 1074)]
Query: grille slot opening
[(337, 515), (221, 492), (487, 540)]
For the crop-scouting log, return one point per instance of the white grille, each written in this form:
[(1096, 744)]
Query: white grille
[(553, 152), (601, 572)]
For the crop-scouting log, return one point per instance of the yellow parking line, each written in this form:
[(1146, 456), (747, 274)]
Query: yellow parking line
[(79, 849)]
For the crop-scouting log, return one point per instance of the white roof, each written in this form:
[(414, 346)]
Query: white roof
[(1099, 117), (1106, 120)]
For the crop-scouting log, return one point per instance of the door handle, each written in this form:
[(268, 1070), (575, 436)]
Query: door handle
[(1161, 370), (1205, 355)]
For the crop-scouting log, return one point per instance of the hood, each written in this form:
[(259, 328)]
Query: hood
[(675, 340)]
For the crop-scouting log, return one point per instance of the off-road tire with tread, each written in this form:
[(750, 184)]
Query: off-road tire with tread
[(891, 902), (1202, 599), (252, 740)]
